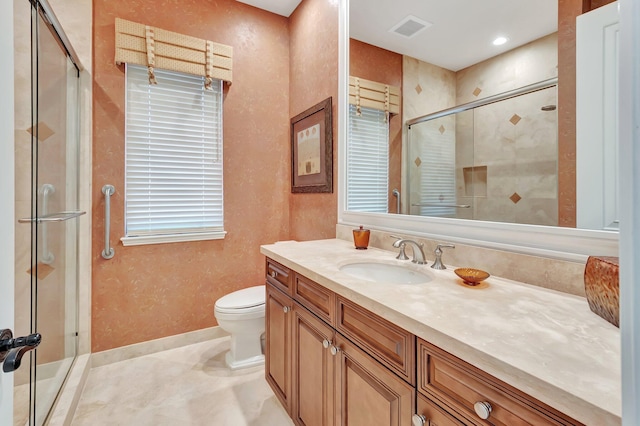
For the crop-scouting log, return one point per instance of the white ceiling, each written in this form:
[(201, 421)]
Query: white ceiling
[(280, 7), (461, 33)]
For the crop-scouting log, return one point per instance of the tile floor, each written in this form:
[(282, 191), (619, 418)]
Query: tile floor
[(185, 386)]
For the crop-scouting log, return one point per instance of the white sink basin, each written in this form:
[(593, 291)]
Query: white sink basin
[(386, 273)]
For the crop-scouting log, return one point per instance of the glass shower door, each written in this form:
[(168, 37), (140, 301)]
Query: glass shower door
[(54, 206)]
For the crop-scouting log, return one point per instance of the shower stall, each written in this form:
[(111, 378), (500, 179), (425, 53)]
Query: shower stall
[(46, 206), (494, 159)]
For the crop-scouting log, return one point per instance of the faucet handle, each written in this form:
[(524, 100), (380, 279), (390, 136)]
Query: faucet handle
[(437, 264), (399, 243), (402, 255), (439, 247)]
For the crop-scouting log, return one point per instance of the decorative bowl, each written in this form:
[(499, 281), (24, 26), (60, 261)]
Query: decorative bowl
[(471, 276)]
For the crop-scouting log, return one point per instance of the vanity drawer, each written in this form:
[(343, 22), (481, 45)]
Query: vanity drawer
[(455, 383), (314, 297), (388, 343), (279, 276)]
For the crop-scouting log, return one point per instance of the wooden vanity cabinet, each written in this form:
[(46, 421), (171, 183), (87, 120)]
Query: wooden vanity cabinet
[(321, 377), (476, 398), (391, 345), (432, 414), (277, 350), (279, 276), (333, 363), (313, 370), (369, 394)]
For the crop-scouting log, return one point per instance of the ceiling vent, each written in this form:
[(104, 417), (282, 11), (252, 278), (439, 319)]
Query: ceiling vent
[(410, 26)]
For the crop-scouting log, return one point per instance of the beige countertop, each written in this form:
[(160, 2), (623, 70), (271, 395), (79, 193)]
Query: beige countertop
[(545, 343)]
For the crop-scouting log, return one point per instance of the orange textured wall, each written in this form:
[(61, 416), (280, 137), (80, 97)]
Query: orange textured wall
[(153, 291), (313, 78), (373, 63), (568, 10)]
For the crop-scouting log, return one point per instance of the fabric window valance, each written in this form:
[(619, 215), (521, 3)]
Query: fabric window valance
[(157, 48), (371, 94)]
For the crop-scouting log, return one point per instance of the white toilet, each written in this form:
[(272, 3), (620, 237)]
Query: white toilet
[(241, 313)]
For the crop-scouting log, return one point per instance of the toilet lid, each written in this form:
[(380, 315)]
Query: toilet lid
[(245, 298)]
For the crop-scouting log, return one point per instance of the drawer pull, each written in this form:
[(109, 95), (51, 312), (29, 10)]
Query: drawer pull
[(326, 344), (335, 350), (286, 309), (418, 420), (483, 409), (274, 274)]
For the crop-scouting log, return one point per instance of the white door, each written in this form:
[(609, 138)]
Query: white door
[(7, 219)]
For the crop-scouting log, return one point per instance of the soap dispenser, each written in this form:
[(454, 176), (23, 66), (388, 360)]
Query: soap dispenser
[(361, 238)]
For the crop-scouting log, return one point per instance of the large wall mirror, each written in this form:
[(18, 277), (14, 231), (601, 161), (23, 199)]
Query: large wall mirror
[(468, 129)]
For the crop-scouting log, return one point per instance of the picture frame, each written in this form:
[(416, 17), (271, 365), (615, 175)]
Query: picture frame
[(312, 150)]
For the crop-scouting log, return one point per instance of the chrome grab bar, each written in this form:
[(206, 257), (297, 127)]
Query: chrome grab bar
[(458, 206), (396, 194), (108, 191), (53, 217), (45, 255)]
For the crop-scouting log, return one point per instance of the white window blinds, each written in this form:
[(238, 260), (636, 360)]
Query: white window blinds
[(438, 176), (173, 165), (368, 161)]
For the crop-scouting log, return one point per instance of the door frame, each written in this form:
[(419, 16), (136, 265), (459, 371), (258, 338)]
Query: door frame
[(629, 127), (7, 194)]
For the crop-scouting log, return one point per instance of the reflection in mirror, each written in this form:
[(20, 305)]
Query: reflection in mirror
[(480, 174), (495, 161)]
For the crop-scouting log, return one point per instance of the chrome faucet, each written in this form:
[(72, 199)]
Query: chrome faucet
[(418, 254), (438, 252)]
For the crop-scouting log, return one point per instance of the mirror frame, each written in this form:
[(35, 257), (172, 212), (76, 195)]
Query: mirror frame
[(561, 243)]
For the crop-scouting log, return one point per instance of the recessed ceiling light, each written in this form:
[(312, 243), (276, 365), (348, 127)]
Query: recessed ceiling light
[(500, 41)]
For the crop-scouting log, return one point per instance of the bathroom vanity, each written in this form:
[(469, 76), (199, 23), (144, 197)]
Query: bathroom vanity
[(342, 350)]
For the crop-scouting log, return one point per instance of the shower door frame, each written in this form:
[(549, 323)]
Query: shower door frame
[(43, 20)]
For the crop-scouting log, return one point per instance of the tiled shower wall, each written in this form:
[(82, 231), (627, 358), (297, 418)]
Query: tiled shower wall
[(512, 164)]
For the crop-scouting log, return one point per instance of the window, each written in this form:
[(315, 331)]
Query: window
[(173, 164), (437, 149), (368, 161)]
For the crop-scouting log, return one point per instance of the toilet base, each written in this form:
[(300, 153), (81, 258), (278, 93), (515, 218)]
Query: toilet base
[(243, 363)]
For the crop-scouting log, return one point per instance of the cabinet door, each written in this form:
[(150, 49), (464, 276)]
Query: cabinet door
[(433, 415), (368, 394), (278, 344), (313, 374)]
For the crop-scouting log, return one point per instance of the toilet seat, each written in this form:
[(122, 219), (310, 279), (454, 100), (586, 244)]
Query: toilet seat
[(241, 299), (257, 309)]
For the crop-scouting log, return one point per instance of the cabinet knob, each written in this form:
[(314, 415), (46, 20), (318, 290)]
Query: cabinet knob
[(286, 309), (335, 350), (483, 409), (326, 344), (418, 420), (273, 274)]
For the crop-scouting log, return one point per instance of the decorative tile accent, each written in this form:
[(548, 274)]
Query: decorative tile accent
[(515, 198), (418, 89), (441, 129), (476, 91), (43, 270), (418, 161), (44, 131), (515, 119)]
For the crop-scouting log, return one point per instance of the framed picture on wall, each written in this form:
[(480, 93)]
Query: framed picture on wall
[(312, 149)]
